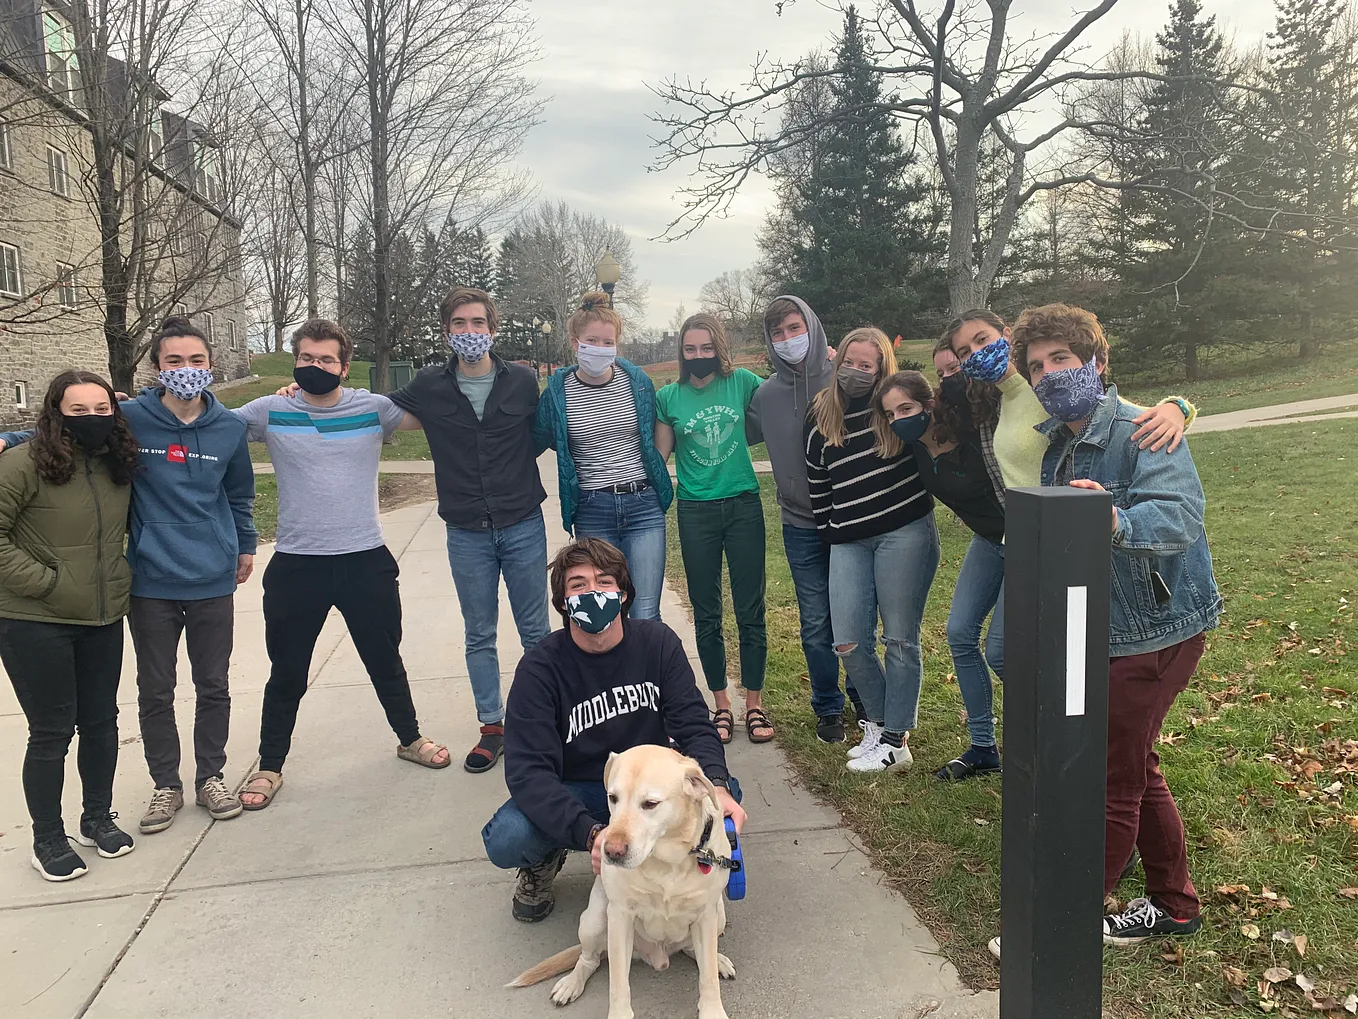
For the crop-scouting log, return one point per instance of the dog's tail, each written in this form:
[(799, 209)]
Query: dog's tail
[(547, 968)]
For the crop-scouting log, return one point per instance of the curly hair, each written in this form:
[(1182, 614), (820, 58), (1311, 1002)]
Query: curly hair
[(52, 452), (589, 552), (983, 399), (1062, 323)]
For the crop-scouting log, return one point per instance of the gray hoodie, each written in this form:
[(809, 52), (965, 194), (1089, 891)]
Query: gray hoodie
[(777, 416)]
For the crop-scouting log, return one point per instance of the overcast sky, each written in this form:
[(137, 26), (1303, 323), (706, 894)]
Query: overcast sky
[(593, 147)]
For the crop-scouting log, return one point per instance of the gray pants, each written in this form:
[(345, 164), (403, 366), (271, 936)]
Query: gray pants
[(156, 625)]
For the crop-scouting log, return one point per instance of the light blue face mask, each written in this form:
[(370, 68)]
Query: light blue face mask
[(595, 360)]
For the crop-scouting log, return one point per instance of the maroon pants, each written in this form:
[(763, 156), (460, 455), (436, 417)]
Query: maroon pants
[(1141, 811)]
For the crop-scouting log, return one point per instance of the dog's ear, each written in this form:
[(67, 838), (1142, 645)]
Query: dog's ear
[(698, 785), (608, 766)]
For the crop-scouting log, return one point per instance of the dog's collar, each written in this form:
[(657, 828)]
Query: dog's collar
[(707, 859)]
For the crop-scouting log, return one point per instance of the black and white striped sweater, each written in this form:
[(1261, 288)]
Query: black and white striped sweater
[(855, 494)]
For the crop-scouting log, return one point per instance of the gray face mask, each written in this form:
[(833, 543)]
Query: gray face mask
[(855, 381)]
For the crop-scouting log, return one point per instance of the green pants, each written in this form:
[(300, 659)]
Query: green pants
[(706, 530)]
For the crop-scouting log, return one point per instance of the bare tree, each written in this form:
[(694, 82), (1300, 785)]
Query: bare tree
[(739, 297), (447, 107), (555, 250), (281, 253), (964, 83)]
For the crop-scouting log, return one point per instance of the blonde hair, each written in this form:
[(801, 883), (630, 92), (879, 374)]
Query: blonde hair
[(828, 407), (594, 307), (711, 325)]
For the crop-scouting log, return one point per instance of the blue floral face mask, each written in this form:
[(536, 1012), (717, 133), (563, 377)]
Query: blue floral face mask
[(187, 383), (1072, 393), (989, 363), (594, 611)]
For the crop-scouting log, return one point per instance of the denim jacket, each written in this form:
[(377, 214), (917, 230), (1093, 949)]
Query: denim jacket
[(1163, 588), (549, 431)]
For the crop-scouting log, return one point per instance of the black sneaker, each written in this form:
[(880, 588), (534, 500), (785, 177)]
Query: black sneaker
[(535, 896), (830, 728), (55, 860), (106, 836), (1143, 921)]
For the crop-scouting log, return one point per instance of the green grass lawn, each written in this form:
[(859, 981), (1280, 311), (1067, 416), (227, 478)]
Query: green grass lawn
[(1261, 751)]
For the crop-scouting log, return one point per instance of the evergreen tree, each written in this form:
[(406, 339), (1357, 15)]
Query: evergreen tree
[(856, 249)]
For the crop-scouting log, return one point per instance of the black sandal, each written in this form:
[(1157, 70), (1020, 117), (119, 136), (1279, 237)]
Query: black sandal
[(725, 723), (756, 719), (957, 770)]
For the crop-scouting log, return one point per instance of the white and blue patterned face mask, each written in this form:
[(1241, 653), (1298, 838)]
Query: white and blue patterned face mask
[(187, 383), (594, 611), (470, 347), (1072, 393)]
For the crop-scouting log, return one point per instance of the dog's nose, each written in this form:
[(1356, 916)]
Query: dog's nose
[(615, 849)]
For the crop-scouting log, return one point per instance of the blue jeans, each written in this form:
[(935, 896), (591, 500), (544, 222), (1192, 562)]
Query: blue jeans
[(890, 575), (980, 588), (808, 559), (634, 524), (478, 559), (513, 841)]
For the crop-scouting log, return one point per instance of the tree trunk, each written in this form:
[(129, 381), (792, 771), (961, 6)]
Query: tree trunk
[(308, 169), (1310, 344), (381, 212), (1191, 359), (278, 336)]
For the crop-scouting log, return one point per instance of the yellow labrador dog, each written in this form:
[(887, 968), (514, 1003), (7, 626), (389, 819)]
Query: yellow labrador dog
[(656, 894)]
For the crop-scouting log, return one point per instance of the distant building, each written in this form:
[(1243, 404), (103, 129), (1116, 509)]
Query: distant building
[(51, 291)]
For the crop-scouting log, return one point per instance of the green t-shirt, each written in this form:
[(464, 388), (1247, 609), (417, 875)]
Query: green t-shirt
[(711, 457)]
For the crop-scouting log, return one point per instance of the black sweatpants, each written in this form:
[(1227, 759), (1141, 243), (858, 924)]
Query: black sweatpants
[(66, 679), (299, 591), (209, 625)]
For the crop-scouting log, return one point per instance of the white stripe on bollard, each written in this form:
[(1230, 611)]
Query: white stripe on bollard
[(1077, 607)]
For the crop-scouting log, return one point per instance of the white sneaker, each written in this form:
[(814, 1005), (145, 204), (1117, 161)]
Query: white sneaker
[(994, 947), (883, 757), (872, 735)]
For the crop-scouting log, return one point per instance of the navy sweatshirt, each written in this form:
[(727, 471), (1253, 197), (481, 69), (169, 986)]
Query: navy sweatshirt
[(569, 709)]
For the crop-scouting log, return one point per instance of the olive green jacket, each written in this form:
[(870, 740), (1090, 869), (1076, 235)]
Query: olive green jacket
[(61, 546)]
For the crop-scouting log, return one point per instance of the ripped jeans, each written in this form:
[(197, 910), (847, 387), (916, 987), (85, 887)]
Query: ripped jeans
[(890, 575)]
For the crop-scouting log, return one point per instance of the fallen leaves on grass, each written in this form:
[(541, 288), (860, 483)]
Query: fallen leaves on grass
[(1348, 893), (1250, 930)]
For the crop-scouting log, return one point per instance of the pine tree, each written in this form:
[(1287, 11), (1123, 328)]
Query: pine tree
[(858, 252)]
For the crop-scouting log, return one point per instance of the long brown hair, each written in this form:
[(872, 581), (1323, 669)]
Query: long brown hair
[(713, 327), (983, 399), (52, 451), (943, 420), (828, 406)]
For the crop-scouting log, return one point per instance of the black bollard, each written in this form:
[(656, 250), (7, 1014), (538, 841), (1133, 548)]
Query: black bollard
[(1056, 580)]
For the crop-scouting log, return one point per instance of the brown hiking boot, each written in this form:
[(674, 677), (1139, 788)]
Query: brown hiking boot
[(160, 813), (535, 896)]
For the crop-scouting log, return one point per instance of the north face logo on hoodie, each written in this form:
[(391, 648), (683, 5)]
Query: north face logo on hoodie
[(177, 454)]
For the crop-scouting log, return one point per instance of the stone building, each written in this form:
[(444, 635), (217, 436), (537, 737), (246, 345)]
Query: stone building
[(176, 218)]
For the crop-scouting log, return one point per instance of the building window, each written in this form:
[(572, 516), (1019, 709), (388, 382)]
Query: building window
[(209, 180), (231, 335), (10, 283), (207, 326), (57, 177), (6, 149), (59, 40), (66, 285), (179, 309), (157, 137), (21, 395)]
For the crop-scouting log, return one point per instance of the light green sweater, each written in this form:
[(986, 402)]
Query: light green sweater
[(1018, 445)]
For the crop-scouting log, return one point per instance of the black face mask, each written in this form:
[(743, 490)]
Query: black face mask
[(91, 432), (315, 380), (953, 388), (701, 367)]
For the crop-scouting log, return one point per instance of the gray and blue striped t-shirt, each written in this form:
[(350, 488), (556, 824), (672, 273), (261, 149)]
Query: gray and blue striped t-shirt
[(326, 460)]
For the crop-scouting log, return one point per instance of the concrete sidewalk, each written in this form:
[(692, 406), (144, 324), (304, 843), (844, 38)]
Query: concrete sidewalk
[(363, 891)]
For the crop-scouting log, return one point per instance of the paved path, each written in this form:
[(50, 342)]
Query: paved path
[(1279, 414), (363, 890)]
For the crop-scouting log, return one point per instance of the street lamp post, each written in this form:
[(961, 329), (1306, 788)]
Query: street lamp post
[(547, 343), (608, 272)]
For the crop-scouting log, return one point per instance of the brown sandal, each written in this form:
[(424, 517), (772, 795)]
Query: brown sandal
[(423, 751), (756, 719), (275, 781), (725, 723)]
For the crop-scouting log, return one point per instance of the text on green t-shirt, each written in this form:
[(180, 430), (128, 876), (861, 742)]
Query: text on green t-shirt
[(711, 457)]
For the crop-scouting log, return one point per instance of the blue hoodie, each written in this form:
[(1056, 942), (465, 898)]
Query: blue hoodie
[(192, 502)]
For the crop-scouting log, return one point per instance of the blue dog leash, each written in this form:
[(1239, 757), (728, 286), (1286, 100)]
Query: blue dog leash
[(735, 883)]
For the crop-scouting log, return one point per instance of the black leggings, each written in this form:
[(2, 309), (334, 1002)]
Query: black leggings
[(66, 678), (299, 591)]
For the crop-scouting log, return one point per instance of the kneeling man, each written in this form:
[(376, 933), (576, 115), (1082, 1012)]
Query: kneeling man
[(603, 684)]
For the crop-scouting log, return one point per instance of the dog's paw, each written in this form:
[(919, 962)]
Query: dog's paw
[(726, 969), (568, 988)]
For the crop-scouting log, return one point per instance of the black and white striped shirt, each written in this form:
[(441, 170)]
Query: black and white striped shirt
[(601, 424), (855, 494)]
